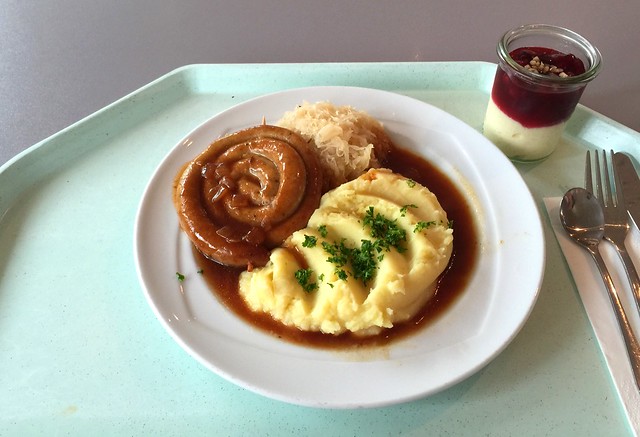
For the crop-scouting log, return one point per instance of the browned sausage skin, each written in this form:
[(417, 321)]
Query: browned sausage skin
[(246, 193)]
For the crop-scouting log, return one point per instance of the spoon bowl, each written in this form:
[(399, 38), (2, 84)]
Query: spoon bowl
[(582, 217)]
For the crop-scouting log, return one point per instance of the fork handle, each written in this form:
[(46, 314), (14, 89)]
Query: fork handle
[(630, 340), (632, 273)]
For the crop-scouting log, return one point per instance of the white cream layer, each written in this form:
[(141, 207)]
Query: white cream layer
[(518, 142)]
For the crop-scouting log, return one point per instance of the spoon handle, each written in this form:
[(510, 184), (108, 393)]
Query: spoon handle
[(630, 340)]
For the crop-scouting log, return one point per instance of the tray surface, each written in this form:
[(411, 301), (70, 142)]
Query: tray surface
[(80, 349)]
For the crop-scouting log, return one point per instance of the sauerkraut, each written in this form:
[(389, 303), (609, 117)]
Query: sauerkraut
[(348, 141)]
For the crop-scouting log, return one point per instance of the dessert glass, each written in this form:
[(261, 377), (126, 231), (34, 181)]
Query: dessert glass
[(528, 109)]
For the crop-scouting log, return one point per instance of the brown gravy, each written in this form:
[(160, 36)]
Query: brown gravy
[(224, 280)]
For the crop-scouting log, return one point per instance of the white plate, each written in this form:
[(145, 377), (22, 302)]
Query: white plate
[(479, 325)]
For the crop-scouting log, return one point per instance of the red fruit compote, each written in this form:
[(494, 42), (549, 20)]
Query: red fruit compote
[(535, 91)]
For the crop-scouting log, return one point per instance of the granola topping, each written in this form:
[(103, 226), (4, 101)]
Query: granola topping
[(537, 66), (548, 62)]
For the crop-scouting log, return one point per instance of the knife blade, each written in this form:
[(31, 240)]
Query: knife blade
[(629, 183)]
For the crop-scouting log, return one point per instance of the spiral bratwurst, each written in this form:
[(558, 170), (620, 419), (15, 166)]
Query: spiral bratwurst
[(246, 193)]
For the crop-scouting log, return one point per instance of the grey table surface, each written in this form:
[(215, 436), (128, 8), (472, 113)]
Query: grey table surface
[(61, 60)]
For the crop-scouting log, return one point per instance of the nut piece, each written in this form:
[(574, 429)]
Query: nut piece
[(537, 66)]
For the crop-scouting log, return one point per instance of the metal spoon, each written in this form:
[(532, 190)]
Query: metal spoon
[(582, 217)]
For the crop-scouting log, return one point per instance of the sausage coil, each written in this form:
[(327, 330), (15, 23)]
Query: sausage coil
[(246, 193)]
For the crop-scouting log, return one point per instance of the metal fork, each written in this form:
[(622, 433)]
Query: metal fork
[(615, 214)]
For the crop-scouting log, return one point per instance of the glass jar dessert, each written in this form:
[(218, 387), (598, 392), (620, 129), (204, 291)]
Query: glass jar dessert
[(541, 75)]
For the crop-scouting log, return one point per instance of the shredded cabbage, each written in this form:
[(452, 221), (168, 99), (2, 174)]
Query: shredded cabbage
[(344, 137)]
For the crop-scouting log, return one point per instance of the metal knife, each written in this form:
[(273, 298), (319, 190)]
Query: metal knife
[(630, 184)]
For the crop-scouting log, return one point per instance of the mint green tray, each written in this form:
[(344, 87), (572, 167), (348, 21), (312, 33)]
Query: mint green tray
[(81, 351)]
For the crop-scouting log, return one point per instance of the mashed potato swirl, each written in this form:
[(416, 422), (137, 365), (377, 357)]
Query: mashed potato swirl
[(403, 282)]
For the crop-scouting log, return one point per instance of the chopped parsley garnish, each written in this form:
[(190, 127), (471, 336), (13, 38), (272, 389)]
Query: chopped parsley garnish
[(423, 225), (309, 241), (201, 271), (180, 276), (364, 261), (361, 262), (404, 209), (386, 232), (303, 276), (411, 183), (339, 256), (342, 274), (323, 231), (338, 251)]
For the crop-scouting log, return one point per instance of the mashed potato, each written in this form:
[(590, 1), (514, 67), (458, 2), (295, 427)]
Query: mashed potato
[(310, 285), (348, 141)]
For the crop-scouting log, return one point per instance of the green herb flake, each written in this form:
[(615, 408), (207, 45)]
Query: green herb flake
[(341, 274), (303, 276), (404, 209), (201, 271), (423, 225), (309, 241), (339, 253), (322, 229), (180, 276), (386, 232), (411, 183), (364, 261)]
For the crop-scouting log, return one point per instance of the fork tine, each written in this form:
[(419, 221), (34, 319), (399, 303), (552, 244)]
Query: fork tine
[(588, 182), (599, 193), (610, 201)]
